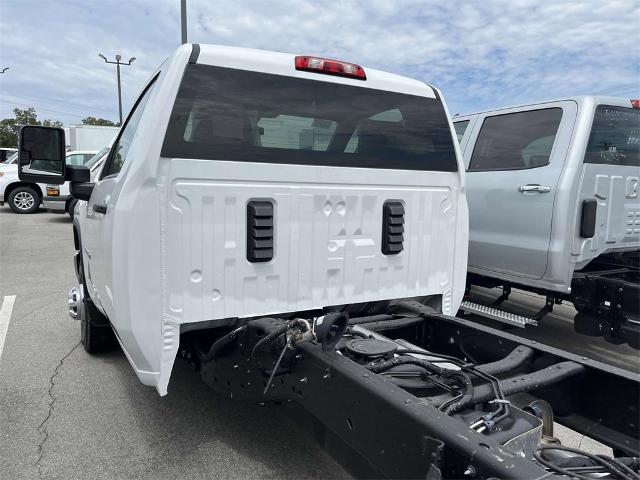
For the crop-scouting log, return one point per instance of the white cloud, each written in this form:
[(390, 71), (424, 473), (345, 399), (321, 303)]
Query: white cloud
[(482, 54)]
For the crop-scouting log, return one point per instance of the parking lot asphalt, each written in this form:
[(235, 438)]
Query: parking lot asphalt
[(66, 414)]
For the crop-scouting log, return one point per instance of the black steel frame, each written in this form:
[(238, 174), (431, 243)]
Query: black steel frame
[(402, 436)]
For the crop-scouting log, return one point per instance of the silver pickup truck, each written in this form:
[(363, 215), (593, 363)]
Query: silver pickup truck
[(553, 205)]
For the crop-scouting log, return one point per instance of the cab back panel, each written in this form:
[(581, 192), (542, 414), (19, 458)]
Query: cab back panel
[(610, 176), (327, 246), (616, 189)]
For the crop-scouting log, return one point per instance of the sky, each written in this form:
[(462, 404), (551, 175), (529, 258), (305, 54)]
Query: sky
[(482, 54)]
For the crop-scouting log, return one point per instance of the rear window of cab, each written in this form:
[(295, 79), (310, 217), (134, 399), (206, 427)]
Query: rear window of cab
[(237, 115), (615, 137)]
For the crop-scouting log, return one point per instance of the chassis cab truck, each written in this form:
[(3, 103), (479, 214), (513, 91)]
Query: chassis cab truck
[(554, 209), (296, 228)]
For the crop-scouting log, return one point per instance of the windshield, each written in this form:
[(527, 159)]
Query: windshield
[(12, 158), (615, 137), (238, 115), (93, 160)]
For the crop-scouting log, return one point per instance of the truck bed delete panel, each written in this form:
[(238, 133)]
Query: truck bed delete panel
[(327, 247)]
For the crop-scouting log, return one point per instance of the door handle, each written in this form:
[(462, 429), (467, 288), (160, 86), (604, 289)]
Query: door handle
[(99, 208), (534, 188)]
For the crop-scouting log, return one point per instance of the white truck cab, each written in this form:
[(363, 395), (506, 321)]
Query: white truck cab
[(553, 197), (248, 183)]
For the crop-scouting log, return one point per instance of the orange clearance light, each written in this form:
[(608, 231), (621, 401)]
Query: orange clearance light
[(330, 67), (53, 191)]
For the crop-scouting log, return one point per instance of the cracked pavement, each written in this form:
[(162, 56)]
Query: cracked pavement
[(52, 401), (65, 414)]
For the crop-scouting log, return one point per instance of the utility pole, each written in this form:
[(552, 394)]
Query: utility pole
[(183, 20), (117, 63)]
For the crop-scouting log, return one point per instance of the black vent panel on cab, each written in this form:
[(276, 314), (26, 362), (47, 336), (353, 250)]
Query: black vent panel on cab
[(259, 231), (392, 227)]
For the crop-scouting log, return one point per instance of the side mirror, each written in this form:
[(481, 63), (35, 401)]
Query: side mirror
[(80, 185), (41, 154)]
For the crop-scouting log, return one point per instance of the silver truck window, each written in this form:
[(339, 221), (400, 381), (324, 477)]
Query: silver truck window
[(516, 141), (615, 137), (461, 127), (76, 159), (118, 154), (238, 115)]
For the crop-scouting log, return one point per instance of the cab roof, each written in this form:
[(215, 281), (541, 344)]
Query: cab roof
[(579, 99), (284, 64)]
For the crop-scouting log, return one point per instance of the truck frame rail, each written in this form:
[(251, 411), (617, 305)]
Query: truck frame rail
[(410, 393)]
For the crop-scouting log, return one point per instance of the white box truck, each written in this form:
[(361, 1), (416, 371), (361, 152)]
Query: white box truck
[(89, 137)]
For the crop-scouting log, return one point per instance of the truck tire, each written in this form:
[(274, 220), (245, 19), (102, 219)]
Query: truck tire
[(24, 199), (96, 334)]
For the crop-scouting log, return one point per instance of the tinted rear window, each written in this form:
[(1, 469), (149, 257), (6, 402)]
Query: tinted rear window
[(229, 114), (615, 137)]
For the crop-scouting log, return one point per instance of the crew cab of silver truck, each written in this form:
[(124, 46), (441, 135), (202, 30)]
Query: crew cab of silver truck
[(296, 228), (553, 199)]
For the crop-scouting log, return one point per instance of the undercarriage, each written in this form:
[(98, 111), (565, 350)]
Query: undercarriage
[(606, 295), (415, 394)]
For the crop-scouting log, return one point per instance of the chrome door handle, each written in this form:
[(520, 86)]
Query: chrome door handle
[(534, 188)]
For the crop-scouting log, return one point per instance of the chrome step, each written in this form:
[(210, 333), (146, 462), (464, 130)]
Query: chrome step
[(497, 315)]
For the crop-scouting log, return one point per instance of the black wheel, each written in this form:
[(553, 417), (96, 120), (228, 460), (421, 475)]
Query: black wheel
[(71, 207), (95, 332), (24, 199)]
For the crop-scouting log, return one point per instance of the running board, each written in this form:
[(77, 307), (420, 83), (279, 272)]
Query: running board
[(497, 315)]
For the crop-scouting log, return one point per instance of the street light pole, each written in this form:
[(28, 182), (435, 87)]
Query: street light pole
[(183, 20), (119, 89), (117, 63)]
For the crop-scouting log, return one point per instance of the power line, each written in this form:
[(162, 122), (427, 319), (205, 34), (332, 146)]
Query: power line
[(621, 87), (622, 92), (25, 105), (57, 101)]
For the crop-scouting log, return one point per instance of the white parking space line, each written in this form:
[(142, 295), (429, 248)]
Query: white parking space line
[(5, 316)]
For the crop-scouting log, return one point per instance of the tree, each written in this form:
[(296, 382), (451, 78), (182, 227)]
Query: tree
[(98, 121), (9, 127)]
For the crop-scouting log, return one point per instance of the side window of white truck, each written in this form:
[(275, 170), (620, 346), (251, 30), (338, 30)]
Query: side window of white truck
[(121, 146), (615, 137), (515, 141)]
